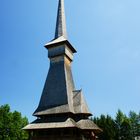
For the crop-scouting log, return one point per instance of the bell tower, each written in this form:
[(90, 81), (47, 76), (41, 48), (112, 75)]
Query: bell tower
[(62, 113)]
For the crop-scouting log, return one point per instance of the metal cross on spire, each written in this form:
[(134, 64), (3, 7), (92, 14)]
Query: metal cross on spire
[(61, 21)]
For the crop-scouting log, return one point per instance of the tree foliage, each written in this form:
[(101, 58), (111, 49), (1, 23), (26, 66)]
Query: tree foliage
[(108, 125), (11, 124), (121, 127)]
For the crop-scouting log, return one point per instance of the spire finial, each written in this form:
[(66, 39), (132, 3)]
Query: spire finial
[(61, 21)]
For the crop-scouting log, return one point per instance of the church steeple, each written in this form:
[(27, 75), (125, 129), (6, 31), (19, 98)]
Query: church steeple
[(62, 112), (60, 30), (59, 94), (61, 21)]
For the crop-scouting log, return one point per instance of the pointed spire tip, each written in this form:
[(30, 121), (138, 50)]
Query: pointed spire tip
[(61, 21)]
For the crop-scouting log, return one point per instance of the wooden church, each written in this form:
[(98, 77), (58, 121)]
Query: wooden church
[(62, 113)]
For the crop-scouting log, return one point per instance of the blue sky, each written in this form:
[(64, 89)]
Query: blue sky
[(106, 34)]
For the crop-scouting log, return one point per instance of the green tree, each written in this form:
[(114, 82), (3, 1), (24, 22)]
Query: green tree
[(125, 127), (135, 123), (11, 124), (120, 117), (107, 124), (121, 128), (126, 130)]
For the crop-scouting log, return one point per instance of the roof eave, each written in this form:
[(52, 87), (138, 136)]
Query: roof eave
[(38, 114), (60, 43)]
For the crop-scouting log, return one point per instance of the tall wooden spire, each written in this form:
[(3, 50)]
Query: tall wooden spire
[(62, 113), (60, 29), (61, 21)]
